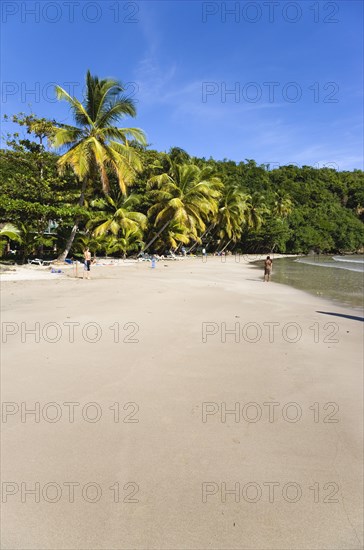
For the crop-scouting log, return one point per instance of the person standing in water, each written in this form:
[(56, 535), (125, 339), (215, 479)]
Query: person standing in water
[(87, 256), (268, 266)]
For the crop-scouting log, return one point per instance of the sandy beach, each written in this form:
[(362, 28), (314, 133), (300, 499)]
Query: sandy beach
[(188, 406)]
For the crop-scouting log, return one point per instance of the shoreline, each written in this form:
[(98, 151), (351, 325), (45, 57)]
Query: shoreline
[(27, 273), (324, 279), (24, 272)]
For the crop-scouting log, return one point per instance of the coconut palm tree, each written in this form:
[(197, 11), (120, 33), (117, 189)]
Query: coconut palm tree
[(172, 237), (232, 214), (130, 241), (187, 195), (204, 234), (11, 232), (26, 236), (282, 205), (87, 240), (116, 216), (256, 208), (94, 145)]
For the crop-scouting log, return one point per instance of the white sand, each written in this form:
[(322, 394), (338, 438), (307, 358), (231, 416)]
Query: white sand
[(170, 454), (40, 273)]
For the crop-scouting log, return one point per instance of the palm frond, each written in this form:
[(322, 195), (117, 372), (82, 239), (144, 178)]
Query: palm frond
[(79, 112)]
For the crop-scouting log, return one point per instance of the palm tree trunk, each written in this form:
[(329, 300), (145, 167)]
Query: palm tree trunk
[(154, 238), (71, 238), (202, 236), (226, 245), (64, 254), (272, 251)]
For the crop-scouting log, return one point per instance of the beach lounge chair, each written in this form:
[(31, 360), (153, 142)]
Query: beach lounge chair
[(38, 261)]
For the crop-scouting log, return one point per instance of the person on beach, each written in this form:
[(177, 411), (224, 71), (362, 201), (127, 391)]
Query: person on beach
[(268, 265), (87, 256)]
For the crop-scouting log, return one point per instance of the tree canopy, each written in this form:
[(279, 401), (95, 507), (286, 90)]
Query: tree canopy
[(144, 198)]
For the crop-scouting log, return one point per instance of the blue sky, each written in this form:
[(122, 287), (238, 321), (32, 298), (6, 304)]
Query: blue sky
[(294, 70)]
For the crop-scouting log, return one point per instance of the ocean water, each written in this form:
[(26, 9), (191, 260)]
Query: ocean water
[(338, 278)]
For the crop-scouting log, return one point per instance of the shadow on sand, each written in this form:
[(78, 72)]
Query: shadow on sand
[(352, 317)]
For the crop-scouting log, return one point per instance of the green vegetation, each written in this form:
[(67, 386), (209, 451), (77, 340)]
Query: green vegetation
[(95, 146), (95, 184)]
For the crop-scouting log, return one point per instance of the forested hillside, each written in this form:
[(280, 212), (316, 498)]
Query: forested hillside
[(174, 199)]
